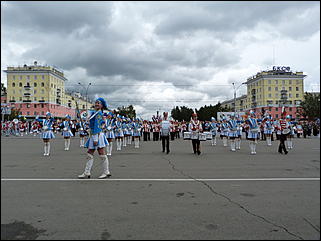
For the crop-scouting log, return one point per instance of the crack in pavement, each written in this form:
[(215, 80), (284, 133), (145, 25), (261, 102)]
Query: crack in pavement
[(313, 226), (231, 201)]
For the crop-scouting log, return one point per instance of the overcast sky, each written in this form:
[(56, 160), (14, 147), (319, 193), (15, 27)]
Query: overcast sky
[(162, 53)]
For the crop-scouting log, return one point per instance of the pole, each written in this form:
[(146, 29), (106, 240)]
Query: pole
[(234, 98)]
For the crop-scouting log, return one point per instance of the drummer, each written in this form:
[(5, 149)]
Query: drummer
[(195, 128)]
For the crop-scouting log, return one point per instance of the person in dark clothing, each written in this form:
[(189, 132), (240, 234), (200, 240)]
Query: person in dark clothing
[(165, 132)]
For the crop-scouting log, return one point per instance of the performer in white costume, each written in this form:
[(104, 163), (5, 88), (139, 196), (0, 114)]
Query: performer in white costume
[(66, 127), (213, 129), (97, 141), (47, 133), (253, 132)]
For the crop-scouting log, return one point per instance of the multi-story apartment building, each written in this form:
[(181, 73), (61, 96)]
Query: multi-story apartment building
[(38, 89), (271, 90)]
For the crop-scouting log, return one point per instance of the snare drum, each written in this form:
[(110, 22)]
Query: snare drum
[(187, 136), (202, 136), (209, 135), (194, 136), (286, 131)]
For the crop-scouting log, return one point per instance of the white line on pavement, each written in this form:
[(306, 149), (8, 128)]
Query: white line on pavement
[(164, 179)]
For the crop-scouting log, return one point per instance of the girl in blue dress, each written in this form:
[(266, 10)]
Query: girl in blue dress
[(97, 141), (47, 133)]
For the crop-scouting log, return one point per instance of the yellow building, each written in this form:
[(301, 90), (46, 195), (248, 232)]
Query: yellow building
[(38, 89), (275, 88), (240, 103), (271, 90)]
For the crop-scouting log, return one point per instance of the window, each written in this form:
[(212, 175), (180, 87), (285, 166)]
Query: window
[(13, 91), (283, 88), (276, 81), (269, 81), (51, 85), (290, 88), (20, 98), (28, 112), (35, 105), (43, 77), (277, 116), (20, 91), (283, 82), (13, 84), (276, 89), (35, 77), (20, 84), (290, 82), (270, 95), (297, 88), (35, 91), (20, 77), (42, 112), (35, 113), (35, 98), (28, 105), (290, 95), (290, 109), (297, 95), (14, 77), (42, 84), (42, 91), (276, 109), (277, 95), (28, 77), (35, 84), (297, 81), (42, 98)]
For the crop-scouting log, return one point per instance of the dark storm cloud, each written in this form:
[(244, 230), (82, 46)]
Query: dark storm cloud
[(181, 44), (60, 17)]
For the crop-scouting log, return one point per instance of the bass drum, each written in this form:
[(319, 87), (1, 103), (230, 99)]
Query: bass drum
[(202, 136), (187, 135)]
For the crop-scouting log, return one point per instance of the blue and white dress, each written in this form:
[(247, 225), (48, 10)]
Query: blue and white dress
[(109, 123), (118, 129), (130, 128), (268, 127), (224, 129), (66, 130), (254, 128), (96, 132), (136, 129), (232, 128), (239, 128), (213, 128), (82, 129), (124, 128), (47, 128)]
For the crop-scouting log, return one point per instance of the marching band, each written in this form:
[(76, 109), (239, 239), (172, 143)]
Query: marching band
[(101, 129)]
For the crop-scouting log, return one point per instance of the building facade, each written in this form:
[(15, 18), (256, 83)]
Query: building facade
[(271, 90), (38, 89)]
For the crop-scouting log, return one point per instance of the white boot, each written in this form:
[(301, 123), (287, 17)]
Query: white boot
[(254, 148), (213, 141), (105, 163), (107, 148), (48, 148), (88, 167), (251, 147), (110, 148), (66, 144), (124, 141), (45, 149)]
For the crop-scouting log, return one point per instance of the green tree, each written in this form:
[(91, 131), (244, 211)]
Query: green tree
[(3, 89), (14, 114), (182, 113), (310, 106), (128, 111)]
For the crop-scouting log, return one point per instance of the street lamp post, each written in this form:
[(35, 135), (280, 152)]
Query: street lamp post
[(235, 89), (86, 93)]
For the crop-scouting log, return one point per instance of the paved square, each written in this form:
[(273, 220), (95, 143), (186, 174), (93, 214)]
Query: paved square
[(217, 195)]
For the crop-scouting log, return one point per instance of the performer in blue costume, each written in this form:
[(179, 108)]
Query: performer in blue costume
[(66, 127), (253, 132), (97, 140), (47, 133)]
